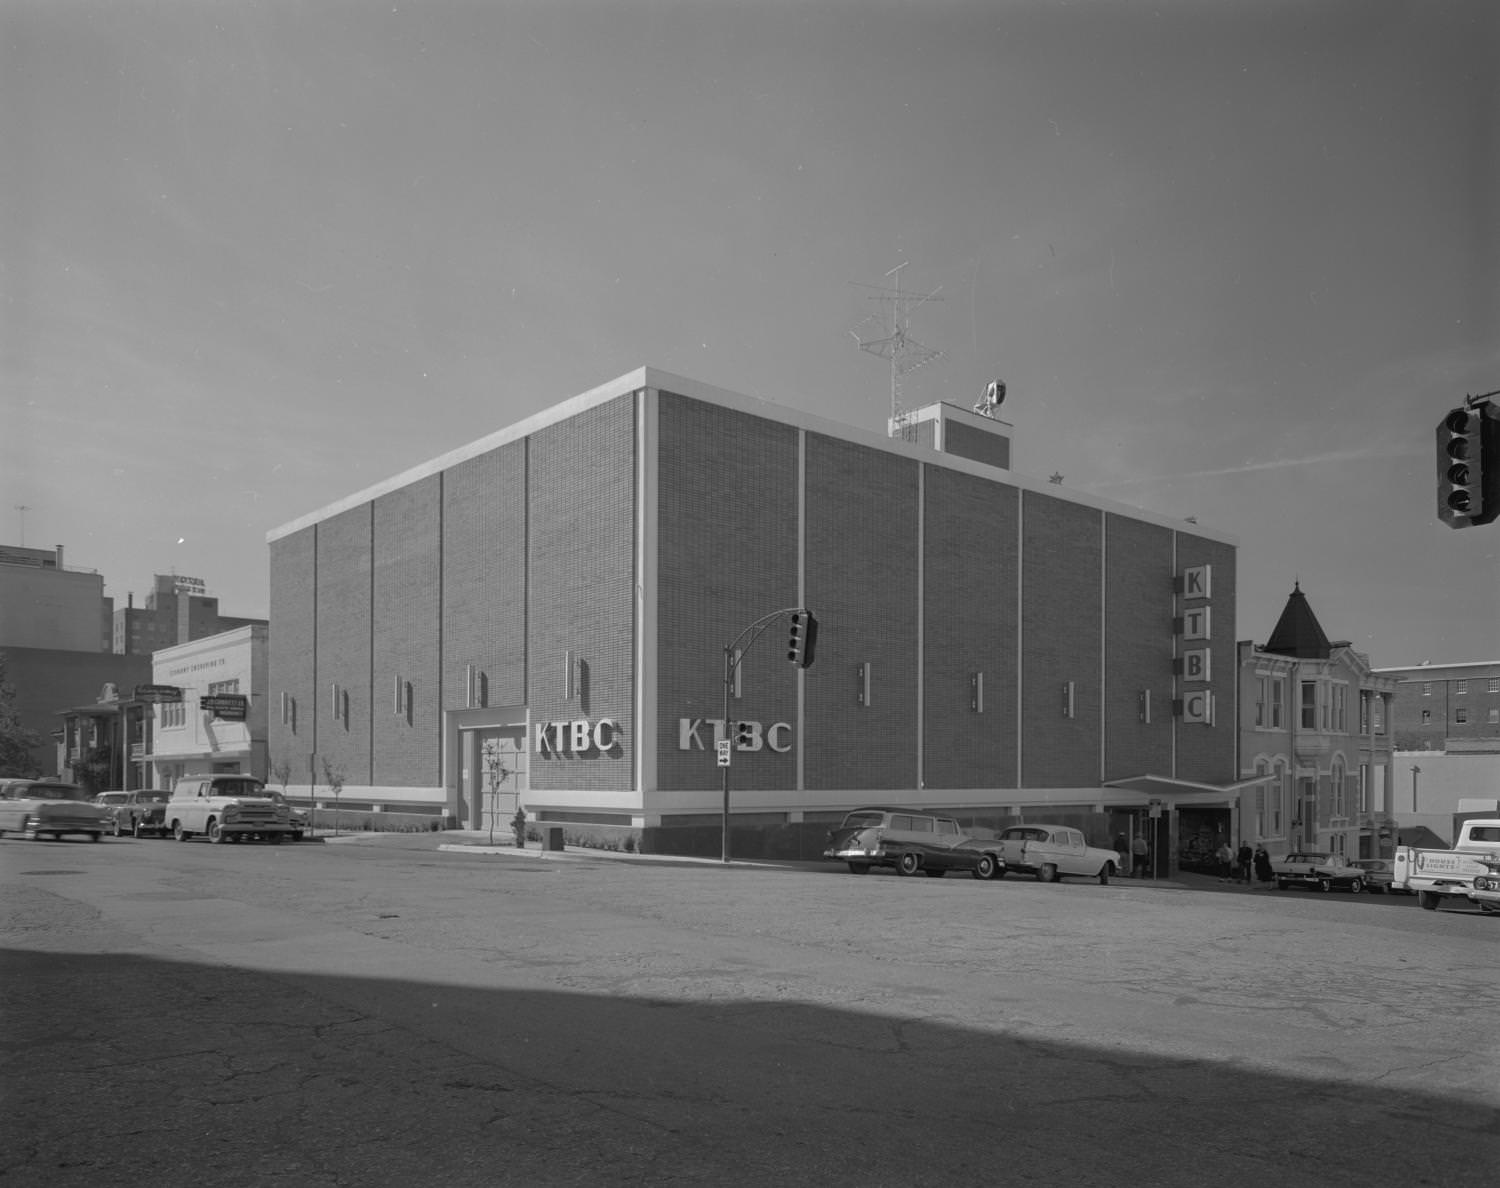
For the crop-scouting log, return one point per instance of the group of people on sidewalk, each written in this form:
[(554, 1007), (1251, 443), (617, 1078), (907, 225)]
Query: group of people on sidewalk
[(1135, 856), (1245, 865), (1238, 866)]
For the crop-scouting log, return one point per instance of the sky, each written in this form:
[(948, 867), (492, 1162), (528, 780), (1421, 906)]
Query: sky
[(1233, 260)]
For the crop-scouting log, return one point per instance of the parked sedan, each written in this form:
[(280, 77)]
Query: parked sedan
[(48, 808), (1052, 851), (141, 813), (1317, 871), (1379, 875)]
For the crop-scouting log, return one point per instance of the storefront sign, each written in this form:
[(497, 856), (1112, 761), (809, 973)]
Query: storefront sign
[(577, 738), (748, 736), (230, 707), (158, 693)]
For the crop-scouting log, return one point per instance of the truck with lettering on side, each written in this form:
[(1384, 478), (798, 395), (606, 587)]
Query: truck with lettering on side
[(1469, 872), (227, 807)]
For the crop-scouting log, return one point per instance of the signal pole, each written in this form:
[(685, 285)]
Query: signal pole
[(799, 652)]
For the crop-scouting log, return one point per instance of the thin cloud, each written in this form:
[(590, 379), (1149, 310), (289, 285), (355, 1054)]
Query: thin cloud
[(1333, 456)]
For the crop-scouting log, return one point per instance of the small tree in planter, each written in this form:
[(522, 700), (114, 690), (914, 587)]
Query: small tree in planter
[(334, 778), (518, 827)]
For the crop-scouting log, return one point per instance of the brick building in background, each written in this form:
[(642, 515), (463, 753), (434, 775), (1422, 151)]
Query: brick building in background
[(1447, 725), (1317, 718), (540, 617), (178, 610)]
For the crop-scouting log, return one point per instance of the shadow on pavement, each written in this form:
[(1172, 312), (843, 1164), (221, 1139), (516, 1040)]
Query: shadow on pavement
[(127, 1069)]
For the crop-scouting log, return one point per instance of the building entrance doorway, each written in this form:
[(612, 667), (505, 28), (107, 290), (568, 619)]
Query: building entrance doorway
[(495, 777)]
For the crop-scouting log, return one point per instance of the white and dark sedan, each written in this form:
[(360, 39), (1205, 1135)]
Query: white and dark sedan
[(49, 808), (1051, 852), (1317, 871)]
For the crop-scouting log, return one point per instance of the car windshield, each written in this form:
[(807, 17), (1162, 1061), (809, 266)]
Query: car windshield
[(240, 787), (53, 792), (152, 798), (861, 820)]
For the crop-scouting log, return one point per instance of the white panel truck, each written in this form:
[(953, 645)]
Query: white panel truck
[(227, 808), (1469, 872)]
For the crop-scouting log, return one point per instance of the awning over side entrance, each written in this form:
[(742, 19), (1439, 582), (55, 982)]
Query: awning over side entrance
[(1185, 791)]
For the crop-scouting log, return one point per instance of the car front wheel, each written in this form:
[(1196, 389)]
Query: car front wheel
[(908, 864), (179, 832), (1104, 875), (985, 867), (1047, 873), (1357, 886), (1325, 884)]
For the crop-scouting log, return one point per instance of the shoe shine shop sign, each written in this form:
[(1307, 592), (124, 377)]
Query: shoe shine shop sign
[(1194, 664)]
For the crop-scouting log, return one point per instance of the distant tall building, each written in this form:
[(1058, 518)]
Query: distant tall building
[(45, 604), (178, 610)]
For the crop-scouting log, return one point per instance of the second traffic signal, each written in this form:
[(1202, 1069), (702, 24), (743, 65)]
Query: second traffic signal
[(1468, 466), (804, 634)]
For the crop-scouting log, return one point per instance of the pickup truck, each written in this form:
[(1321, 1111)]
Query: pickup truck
[(226, 807), (1470, 871)]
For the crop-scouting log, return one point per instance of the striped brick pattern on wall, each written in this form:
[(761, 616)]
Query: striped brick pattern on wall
[(1060, 641), (407, 587), (861, 575), (484, 578), (291, 667), (1137, 647), (969, 617), (727, 516), (343, 650), (581, 511)]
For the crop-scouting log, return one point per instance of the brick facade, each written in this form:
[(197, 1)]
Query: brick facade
[(656, 513)]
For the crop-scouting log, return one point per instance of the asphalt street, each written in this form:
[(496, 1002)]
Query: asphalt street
[(380, 1011)]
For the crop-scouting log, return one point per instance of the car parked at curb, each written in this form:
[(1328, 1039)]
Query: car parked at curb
[(1317, 871), (1379, 876), (911, 843), (141, 813), (1051, 852), (48, 808)]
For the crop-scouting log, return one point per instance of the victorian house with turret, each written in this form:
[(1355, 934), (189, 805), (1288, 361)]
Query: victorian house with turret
[(1318, 719)]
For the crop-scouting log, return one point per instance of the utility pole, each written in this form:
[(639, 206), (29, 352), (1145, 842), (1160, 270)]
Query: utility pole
[(1415, 772), (22, 509)]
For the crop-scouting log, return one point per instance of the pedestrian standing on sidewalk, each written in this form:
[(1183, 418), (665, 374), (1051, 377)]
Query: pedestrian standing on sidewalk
[(1243, 859), (1263, 870), (1139, 853), (1225, 858), (1122, 848)]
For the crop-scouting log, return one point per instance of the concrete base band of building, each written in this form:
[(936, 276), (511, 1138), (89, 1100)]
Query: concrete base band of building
[(539, 620)]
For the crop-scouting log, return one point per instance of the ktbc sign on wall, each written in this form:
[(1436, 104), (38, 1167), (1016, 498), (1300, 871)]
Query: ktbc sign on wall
[(1195, 664), (747, 736), (576, 738)]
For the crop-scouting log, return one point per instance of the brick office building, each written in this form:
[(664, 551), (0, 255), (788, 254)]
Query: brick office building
[(540, 618)]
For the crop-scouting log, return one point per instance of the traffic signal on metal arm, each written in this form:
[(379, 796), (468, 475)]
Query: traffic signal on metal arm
[(1468, 466), (804, 634)]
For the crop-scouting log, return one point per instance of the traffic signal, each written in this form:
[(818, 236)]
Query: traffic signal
[(804, 634), (1468, 466)]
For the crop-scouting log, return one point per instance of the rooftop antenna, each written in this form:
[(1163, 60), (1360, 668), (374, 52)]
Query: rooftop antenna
[(21, 510), (894, 342)]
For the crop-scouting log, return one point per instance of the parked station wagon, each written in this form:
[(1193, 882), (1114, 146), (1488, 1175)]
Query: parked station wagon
[(910, 843)]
